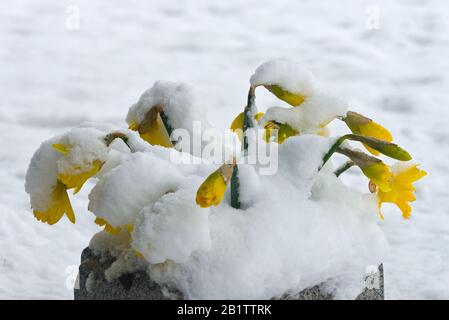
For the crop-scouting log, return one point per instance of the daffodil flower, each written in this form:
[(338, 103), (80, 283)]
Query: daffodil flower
[(73, 178), (374, 169), (59, 205), (402, 189), (380, 174), (364, 126), (284, 131), (152, 129), (237, 123), (107, 227), (291, 98), (212, 190), (78, 177)]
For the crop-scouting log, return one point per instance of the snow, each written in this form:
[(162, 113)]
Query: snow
[(139, 181), (315, 113), (287, 74), (182, 106), (178, 100), (172, 228), (96, 72), (117, 246), (280, 242)]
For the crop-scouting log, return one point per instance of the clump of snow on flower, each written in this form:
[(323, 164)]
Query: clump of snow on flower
[(178, 100), (180, 103), (139, 181), (85, 145), (172, 228), (289, 75), (312, 115)]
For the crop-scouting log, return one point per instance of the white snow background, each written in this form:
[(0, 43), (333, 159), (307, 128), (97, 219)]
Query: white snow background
[(53, 77)]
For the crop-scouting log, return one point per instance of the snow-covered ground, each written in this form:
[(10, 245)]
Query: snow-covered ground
[(53, 77)]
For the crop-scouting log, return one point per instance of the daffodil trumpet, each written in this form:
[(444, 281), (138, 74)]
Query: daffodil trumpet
[(154, 128), (59, 205), (212, 190), (402, 190), (281, 131), (361, 125), (374, 169), (291, 98), (73, 178)]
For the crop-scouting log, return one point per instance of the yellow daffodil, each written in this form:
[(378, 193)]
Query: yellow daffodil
[(237, 123), (76, 180), (212, 190), (111, 229), (284, 131), (380, 174), (107, 227), (401, 191), (364, 126), (61, 148), (293, 99), (77, 176), (373, 168), (71, 179), (59, 205), (152, 129)]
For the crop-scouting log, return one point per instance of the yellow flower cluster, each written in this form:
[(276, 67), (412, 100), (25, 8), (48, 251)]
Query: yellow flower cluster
[(393, 184), (69, 179), (395, 187)]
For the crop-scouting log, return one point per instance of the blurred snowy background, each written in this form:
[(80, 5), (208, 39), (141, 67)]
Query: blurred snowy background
[(64, 62)]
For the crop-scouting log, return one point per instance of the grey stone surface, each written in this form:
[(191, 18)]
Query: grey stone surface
[(92, 285)]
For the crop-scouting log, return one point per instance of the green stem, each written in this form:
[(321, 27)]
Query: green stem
[(345, 166), (247, 121), (116, 135), (235, 186), (332, 150)]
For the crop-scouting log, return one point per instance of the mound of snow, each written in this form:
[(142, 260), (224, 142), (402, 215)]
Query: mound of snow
[(297, 227), (289, 75), (172, 228), (179, 101), (311, 116), (138, 182)]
